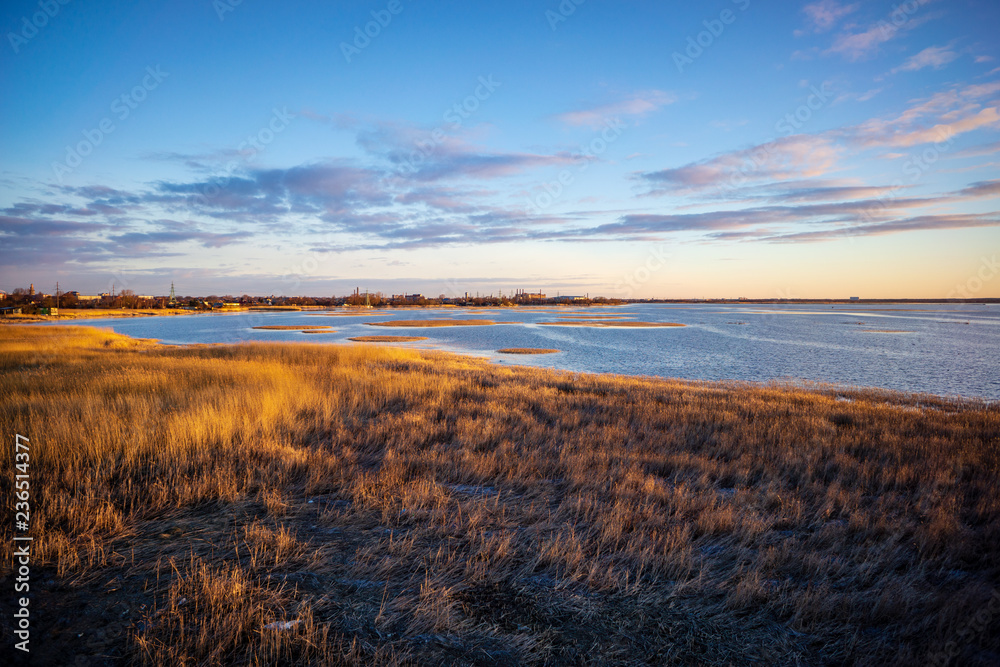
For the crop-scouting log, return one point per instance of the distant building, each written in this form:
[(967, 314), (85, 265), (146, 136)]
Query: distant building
[(524, 295), (855, 298)]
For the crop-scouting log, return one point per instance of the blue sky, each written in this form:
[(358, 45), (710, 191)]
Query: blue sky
[(641, 149)]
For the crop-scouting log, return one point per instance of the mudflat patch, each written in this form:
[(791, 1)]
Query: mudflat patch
[(604, 324), (386, 339), (297, 327), (432, 323), (527, 350)]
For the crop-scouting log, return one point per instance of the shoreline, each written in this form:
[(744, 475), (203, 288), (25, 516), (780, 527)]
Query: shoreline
[(71, 314)]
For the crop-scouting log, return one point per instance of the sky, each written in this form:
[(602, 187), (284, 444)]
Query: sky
[(639, 149)]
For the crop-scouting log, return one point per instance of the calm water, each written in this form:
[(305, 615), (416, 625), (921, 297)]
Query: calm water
[(939, 349)]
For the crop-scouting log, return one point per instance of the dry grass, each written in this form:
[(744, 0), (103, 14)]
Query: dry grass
[(431, 323), (93, 314), (527, 350), (386, 339), (303, 504)]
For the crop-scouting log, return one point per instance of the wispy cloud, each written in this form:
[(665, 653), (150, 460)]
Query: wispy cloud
[(855, 44), (797, 156), (914, 224), (418, 154), (933, 56), (941, 117), (824, 15), (981, 189), (858, 97), (991, 149), (637, 105)]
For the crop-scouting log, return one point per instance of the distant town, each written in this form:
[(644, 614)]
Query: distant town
[(29, 301)]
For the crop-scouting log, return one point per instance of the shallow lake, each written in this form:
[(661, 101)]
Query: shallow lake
[(943, 349)]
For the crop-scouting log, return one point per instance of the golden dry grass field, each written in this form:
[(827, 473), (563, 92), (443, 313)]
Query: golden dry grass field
[(94, 313), (305, 504)]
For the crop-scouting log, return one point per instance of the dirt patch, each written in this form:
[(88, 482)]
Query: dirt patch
[(527, 350)]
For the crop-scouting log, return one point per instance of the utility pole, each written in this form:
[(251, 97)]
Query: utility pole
[(57, 294)]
